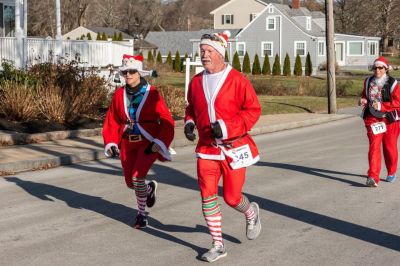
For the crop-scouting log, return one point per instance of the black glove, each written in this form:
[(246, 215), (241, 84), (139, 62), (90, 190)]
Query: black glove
[(148, 149), (154, 74), (189, 131), (114, 151), (216, 130), (393, 116)]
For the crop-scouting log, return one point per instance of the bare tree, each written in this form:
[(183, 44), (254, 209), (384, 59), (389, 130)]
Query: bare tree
[(314, 5), (109, 12), (142, 16), (388, 20), (74, 13)]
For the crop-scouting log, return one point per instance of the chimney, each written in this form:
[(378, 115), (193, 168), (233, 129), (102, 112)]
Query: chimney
[(295, 4)]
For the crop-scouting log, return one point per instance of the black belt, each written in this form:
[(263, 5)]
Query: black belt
[(229, 143), (133, 137)]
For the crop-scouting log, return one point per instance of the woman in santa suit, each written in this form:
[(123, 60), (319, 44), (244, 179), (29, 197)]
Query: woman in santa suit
[(381, 99), (139, 128)]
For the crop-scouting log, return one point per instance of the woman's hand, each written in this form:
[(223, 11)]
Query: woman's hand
[(376, 105), (155, 147), (362, 102), (152, 148)]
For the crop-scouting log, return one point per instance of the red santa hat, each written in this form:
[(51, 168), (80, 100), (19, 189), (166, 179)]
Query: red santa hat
[(219, 41), (133, 62), (381, 61)]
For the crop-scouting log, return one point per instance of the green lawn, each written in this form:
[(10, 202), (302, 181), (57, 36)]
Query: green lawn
[(301, 104), (393, 60), (289, 104)]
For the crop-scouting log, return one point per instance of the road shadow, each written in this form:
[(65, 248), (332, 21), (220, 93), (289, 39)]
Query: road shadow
[(315, 172), (115, 211), (176, 178), (353, 230), (293, 105)]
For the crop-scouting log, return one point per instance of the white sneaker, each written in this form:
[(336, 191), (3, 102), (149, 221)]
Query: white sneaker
[(253, 226), (214, 253)]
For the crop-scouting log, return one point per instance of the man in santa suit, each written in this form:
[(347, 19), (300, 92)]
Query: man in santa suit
[(381, 99), (139, 128), (223, 106)]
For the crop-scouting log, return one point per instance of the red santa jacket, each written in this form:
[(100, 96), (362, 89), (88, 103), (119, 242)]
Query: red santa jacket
[(234, 105), (152, 117)]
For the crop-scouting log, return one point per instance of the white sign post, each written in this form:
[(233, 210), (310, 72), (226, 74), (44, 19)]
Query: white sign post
[(199, 68)]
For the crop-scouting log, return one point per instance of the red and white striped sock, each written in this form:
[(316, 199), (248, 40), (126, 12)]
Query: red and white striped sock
[(213, 217), (244, 206), (140, 188)]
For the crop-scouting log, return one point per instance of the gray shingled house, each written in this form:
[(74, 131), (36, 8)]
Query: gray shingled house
[(272, 29), (292, 29)]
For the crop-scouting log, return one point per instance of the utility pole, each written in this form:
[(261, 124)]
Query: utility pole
[(330, 57), (58, 36)]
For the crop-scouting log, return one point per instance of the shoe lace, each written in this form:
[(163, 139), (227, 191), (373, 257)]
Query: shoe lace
[(215, 248), (251, 223)]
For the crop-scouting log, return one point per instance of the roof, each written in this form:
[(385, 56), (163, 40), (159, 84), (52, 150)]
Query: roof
[(143, 44), (290, 13), (260, 1), (109, 31), (266, 2), (172, 41)]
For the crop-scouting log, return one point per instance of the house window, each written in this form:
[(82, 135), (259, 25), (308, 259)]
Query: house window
[(355, 48), (321, 48), (241, 48), (227, 19), (253, 16), (373, 48), (308, 23), (300, 48), (9, 21), (271, 23), (270, 9), (267, 49)]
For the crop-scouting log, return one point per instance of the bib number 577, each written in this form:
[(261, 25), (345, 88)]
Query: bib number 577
[(378, 128)]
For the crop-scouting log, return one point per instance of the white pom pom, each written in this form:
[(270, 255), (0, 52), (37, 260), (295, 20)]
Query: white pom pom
[(227, 33)]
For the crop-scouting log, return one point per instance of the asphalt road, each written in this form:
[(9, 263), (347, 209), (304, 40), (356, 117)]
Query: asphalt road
[(315, 209)]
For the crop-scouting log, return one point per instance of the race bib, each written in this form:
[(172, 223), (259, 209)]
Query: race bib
[(378, 128), (241, 156)]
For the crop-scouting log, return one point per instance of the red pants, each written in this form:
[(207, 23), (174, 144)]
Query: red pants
[(135, 163), (209, 173), (389, 144)]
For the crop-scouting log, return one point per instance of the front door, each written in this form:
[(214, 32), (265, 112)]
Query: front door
[(339, 53)]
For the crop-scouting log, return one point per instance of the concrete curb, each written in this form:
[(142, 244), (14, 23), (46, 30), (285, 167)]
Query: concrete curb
[(97, 153), (50, 162), (15, 138), (298, 124)]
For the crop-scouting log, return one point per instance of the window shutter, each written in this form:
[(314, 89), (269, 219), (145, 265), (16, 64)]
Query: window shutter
[(223, 21), (251, 17), (232, 20)]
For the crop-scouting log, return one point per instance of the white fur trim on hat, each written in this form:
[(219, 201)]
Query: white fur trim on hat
[(381, 61), (130, 62), (221, 44)]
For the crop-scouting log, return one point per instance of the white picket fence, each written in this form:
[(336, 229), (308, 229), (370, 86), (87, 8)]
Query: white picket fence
[(89, 53)]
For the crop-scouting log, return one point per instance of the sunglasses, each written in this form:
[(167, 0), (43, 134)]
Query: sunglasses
[(380, 68), (210, 37), (130, 71)]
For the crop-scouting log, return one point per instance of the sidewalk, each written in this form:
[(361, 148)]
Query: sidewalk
[(53, 149)]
